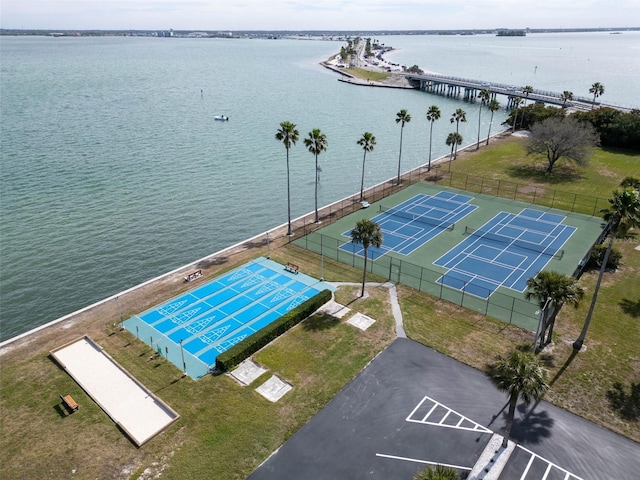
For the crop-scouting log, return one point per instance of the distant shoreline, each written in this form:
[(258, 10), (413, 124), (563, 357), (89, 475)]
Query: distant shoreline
[(333, 35)]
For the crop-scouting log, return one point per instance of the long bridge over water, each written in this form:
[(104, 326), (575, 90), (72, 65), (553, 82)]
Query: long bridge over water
[(469, 89)]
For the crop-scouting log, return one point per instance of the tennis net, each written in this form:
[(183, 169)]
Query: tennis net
[(533, 247), (417, 218)]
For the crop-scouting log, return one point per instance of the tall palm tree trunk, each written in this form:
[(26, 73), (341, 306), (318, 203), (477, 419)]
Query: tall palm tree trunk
[(479, 118), (364, 271), (577, 345), (400, 156), (510, 415), (451, 156), (551, 323), (288, 197), (490, 124), (430, 142), (316, 194), (364, 158)]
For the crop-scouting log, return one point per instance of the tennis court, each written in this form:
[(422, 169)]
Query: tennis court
[(412, 223), (482, 263), (505, 251), (191, 330)]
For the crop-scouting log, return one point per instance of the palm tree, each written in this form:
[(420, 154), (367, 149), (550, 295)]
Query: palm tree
[(493, 106), (288, 134), (566, 96), (622, 215), (484, 97), (516, 105), (458, 116), (597, 89), (527, 91), (316, 143), (453, 139), (366, 233), (433, 114), (439, 472), (521, 377), (367, 142), (402, 117), (552, 290)]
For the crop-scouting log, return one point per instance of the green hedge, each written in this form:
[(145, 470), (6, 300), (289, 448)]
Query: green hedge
[(236, 354)]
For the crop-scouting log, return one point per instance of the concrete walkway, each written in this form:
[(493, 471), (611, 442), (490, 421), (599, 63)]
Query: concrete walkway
[(393, 298)]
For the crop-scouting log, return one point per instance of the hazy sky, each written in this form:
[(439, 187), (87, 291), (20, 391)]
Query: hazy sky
[(316, 14)]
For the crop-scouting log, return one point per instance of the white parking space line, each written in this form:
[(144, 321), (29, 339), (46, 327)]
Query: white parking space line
[(415, 460), (550, 466), (426, 401)]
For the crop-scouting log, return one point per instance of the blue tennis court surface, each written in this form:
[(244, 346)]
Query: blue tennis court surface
[(506, 251), (411, 224), (204, 322)]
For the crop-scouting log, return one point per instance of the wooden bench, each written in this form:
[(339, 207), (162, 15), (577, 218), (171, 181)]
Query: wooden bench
[(291, 267), (69, 402), (193, 276)]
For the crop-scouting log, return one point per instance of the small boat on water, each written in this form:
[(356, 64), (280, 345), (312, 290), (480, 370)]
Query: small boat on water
[(222, 118)]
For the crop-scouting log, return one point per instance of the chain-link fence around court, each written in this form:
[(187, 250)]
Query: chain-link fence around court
[(504, 307)]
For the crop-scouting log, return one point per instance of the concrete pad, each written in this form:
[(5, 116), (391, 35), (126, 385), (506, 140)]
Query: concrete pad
[(335, 309), (130, 404), (273, 389), (361, 321), (247, 372), (492, 460)]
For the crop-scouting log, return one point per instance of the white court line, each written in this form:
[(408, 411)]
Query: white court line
[(415, 460)]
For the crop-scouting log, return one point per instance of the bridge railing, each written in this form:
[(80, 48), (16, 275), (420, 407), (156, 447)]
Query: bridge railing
[(505, 88)]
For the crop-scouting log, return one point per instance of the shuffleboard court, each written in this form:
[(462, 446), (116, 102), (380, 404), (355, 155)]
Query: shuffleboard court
[(412, 223), (130, 405), (191, 330), (505, 251)]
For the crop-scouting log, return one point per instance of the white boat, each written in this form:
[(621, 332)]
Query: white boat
[(222, 118)]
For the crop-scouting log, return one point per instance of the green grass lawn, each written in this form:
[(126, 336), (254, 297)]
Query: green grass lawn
[(227, 430), (368, 75), (507, 160)]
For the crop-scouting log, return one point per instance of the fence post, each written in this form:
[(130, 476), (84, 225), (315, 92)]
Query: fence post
[(513, 304)]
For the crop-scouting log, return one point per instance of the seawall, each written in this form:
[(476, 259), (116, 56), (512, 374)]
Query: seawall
[(116, 308)]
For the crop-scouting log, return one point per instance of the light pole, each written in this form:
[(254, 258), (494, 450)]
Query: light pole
[(119, 312), (184, 365)]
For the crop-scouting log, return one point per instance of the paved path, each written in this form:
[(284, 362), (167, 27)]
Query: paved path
[(393, 298)]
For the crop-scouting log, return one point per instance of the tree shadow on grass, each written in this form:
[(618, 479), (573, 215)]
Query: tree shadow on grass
[(630, 307), (320, 322), (559, 373), (538, 173), (627, 405)]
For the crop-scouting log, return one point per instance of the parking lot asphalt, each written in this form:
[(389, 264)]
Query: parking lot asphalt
[(412, 407)]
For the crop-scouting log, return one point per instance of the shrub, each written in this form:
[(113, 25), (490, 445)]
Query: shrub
[(439, 472), (597, 256), (239, 352)]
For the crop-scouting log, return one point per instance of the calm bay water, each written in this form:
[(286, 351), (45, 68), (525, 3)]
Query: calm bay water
[(113, 171)]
